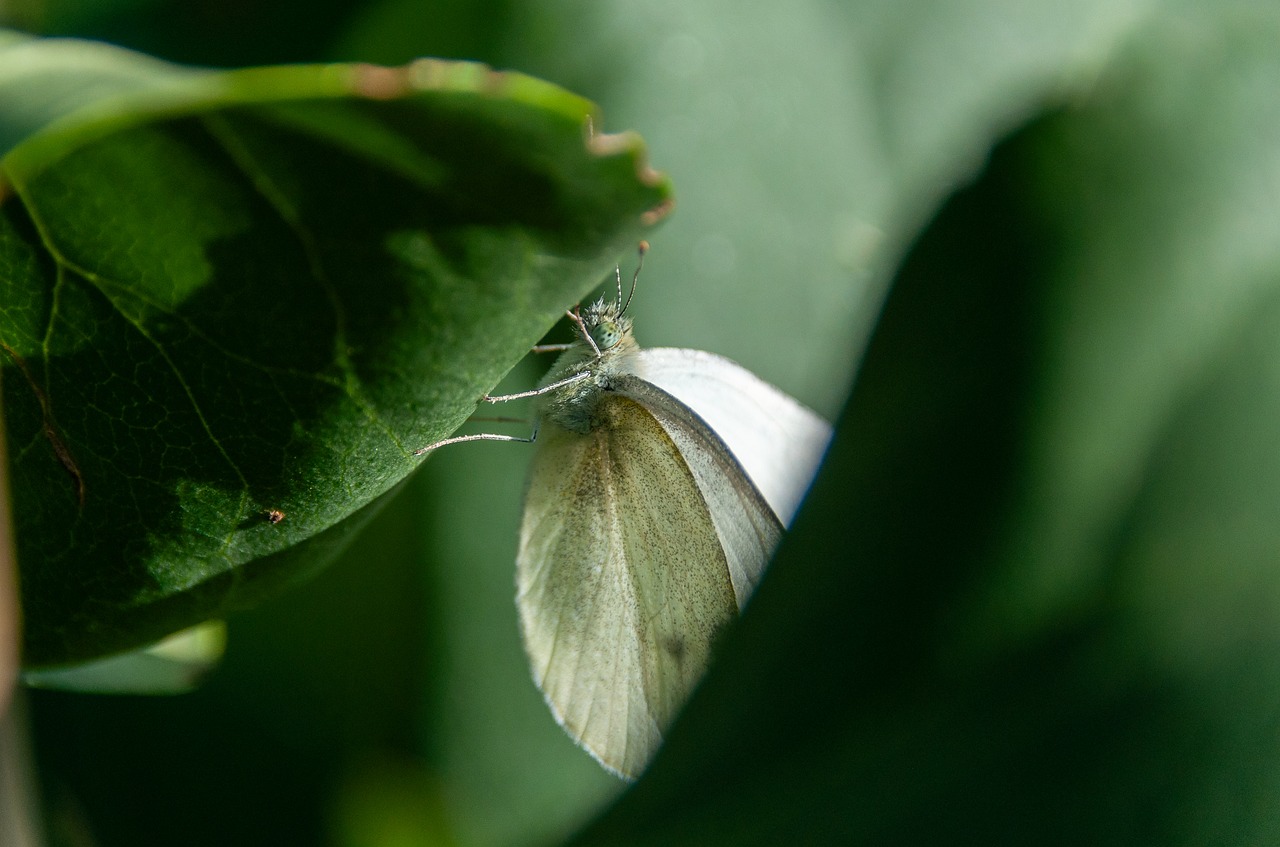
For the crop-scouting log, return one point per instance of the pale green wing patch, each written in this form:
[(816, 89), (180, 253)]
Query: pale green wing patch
[(623, 584), (748, 528)]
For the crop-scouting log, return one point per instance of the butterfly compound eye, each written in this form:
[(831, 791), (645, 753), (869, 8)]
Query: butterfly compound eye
[(607, 335)]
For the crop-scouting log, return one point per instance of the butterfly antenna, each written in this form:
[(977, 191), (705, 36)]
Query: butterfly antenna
[(641, 249)]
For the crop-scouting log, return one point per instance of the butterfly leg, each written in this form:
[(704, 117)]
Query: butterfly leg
[(546, 389), (482, 436)]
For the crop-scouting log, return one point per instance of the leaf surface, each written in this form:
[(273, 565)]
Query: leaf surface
[(236, 302)]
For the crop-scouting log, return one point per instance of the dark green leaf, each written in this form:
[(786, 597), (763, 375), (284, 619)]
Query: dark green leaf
[(235, 303)]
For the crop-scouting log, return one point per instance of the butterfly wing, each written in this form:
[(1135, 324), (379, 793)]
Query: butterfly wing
[(778, 441), (622, 581), (745, 524)]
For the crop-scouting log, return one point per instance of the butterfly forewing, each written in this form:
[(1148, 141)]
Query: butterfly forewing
[(623, 584)]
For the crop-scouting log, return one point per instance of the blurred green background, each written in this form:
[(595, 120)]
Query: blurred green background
[(1036, 595)]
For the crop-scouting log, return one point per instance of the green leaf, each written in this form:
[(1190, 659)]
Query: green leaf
[(1035, 597), (235, 302), (176, 665)]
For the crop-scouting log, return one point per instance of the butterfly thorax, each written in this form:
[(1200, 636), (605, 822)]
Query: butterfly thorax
[(574, 406)]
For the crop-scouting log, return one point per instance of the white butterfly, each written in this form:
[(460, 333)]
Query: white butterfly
[(660, 487)]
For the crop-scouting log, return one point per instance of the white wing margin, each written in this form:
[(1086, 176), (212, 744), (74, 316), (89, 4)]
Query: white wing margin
[(778, 442)]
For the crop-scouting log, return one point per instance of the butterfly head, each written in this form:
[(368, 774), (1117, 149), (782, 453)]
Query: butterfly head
[(606, 324)]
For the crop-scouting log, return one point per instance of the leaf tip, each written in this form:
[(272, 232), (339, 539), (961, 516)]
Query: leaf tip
[(630, 143), (652, 215)]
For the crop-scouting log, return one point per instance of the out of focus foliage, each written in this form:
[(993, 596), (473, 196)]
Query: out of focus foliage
[(1034, 596)]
